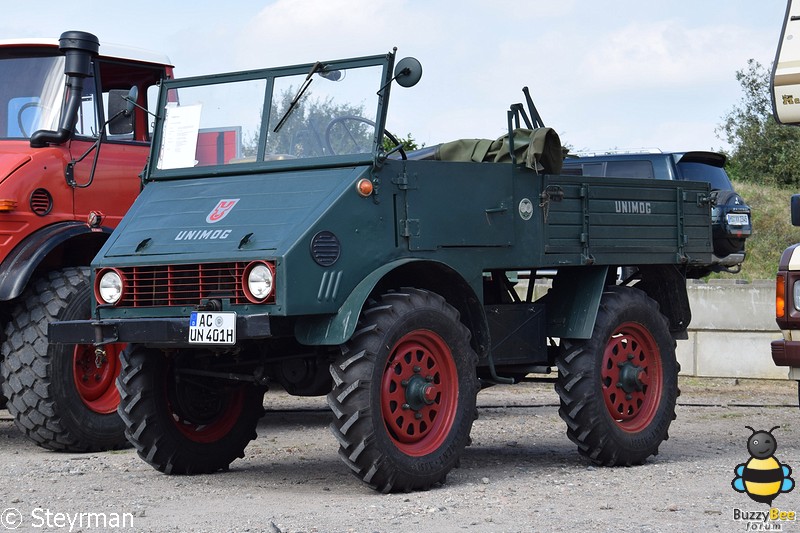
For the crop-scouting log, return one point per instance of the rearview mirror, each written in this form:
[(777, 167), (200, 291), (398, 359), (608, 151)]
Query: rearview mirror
[(133, 95), (120, 109), (408, 72)]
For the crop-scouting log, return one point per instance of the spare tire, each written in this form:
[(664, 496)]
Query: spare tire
[(725, 243)]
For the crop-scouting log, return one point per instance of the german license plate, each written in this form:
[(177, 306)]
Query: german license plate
[(212, 327), (735, 219)]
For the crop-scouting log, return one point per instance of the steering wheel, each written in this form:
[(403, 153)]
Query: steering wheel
[(348, 133), (25, 107)]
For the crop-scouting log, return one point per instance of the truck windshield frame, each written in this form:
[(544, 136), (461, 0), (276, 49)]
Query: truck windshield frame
[(32, 93), (226, 123)]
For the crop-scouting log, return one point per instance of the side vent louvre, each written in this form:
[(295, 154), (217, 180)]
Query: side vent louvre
[(325, 248), (41, 202)]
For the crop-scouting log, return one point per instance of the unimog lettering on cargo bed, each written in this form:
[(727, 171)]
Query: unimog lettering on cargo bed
[(387, 280), (731, 223)]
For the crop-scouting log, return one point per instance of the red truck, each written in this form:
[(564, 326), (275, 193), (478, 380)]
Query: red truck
[(72, 146)]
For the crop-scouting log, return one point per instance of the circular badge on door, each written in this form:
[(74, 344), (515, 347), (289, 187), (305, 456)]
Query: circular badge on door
[(525, 209)]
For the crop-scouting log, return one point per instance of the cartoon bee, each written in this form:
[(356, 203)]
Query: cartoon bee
[(762, 477)]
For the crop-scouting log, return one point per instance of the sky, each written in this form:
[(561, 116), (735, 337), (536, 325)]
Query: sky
[(623, 75)]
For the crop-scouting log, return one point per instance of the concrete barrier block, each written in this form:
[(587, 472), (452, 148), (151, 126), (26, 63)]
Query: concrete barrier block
[(685, 354), (722, 305), (729, 354)]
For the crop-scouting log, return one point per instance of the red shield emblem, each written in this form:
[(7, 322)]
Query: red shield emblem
[(221, 211)]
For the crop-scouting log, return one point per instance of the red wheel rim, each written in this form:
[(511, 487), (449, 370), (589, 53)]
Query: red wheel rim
[(632, 377), (95, 377), (419, 393), (215, 429)]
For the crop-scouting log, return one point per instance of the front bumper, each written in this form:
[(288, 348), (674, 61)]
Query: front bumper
[(786, 353), (152, 331)]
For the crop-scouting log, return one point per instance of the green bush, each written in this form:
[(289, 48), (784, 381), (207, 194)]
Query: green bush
[(772, 229)]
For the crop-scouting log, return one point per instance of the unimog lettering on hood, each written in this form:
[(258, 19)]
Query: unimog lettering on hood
[(197, 235)]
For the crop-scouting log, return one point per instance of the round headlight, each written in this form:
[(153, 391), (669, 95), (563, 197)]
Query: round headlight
[(109, 287), (260, 282)]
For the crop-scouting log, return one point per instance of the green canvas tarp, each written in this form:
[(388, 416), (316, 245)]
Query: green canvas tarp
[(538, 149)]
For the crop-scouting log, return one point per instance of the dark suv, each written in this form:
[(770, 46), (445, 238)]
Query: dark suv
[(730, 215)]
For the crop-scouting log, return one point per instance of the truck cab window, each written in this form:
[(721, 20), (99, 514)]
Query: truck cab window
[(31, 95), (87, 124), (152, 103), (116, 81)]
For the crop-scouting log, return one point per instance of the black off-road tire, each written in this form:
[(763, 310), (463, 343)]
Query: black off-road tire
[(5, 316), (409, 347), (39, 379), (171, 442), (630, 347)]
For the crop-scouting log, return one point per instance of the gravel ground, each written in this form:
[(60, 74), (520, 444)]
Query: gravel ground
[(520, 474)]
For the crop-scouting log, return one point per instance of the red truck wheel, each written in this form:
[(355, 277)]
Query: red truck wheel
[(95, 377), (619, 388), (419, 393), (632, 377), (195, 425), (53, 391), (405, 390)]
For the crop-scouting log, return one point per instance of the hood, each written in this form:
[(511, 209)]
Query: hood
[(228, 215), (11, 162)]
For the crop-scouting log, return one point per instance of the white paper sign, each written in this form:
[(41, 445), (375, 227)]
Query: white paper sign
[(179, 136)]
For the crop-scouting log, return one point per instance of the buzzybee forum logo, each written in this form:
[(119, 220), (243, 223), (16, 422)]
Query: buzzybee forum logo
[(762, 477)]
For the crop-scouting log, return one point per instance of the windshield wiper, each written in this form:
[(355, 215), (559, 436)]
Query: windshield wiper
[(316, 68)]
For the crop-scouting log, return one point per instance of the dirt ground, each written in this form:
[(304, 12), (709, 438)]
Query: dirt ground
[(520, 474)]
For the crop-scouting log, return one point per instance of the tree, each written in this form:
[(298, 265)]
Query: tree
[(319, 127), (408, 142), (763, 151)]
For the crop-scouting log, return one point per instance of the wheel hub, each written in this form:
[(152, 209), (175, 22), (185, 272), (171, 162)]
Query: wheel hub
[(630, 377), (197, 405), (419, 392), (202, 410)]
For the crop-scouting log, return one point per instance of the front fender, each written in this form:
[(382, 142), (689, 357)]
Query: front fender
[(335, 329), (18, 267)]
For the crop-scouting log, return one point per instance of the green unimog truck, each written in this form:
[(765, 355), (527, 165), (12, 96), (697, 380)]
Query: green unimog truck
[(399, 284)]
